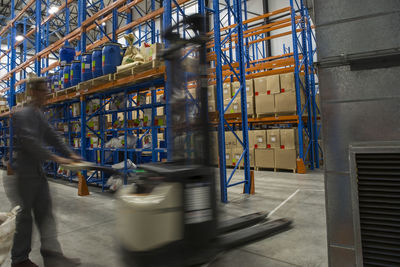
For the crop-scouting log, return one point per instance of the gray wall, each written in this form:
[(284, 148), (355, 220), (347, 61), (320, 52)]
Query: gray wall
[(357, 105)]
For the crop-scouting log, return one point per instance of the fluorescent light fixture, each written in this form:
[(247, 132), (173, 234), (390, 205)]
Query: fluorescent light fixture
[(53, 9), (19, 38), (103, 24)]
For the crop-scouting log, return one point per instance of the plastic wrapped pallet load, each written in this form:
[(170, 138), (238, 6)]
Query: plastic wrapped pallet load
[(7, 229)]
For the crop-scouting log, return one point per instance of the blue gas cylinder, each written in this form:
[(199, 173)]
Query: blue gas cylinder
[(66, 80), (54, 80), (86, 70), (67, 54), (97, 69), (60, 78), (111, 57), (75, 72)]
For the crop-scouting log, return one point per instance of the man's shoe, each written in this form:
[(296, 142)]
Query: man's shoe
[(26, 263), (51, 259)]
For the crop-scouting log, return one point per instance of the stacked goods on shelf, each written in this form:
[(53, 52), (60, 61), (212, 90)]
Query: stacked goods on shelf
[(212, 96), (151, 52), (263, 151), (265, 89), (276, 95), (286, 154), (269, 149), (280, 151), (285, 100), (3, 104)]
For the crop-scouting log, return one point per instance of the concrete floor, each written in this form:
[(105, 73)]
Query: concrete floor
[(86, 224)]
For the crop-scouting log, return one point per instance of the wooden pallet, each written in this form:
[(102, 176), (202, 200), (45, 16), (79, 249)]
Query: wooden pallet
[(84, 85), (274, 169), (102, 79), (66, 91), (264, 115), (137, 69)]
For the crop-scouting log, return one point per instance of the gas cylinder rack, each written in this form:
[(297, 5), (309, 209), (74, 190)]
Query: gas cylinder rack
[(43, 39)]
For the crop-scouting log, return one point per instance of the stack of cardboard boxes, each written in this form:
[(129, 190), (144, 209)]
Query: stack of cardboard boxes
[(280, 151), (270, 149), (265, 89)]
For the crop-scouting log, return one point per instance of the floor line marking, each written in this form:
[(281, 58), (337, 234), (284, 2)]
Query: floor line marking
[(283, 203)]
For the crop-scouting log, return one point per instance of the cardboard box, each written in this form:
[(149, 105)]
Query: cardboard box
[(288, 138), (235, 106), (264, 158), (249, 87), (212, 93), (260, 85), (211, 106), (285, 103), (251, 139), (273, 84), (237, 152), (234, 87), (160, 111), (160, 98), (260, 138), (265, 104), (273, 138), (287, 82), (228, 157), (226, 90), (285, 159), (148, 98), (250, 105), (230, 140)]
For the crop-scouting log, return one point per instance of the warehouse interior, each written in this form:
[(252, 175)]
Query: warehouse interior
[(199, 133)]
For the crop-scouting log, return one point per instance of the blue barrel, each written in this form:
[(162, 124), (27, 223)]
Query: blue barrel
[(66, 80), (49, 81), (111, 57), (86, 70), (97, 69), (54, 80), (60, 78), (75, 73), (67, 54)]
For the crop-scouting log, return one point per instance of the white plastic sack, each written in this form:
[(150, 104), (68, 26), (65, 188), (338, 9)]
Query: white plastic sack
[(7, 230)]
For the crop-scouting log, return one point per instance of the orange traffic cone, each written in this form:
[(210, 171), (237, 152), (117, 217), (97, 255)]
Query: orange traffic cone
[(83, 189), (301, 168)]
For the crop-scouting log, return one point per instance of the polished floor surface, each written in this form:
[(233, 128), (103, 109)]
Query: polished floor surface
[(86, 224)]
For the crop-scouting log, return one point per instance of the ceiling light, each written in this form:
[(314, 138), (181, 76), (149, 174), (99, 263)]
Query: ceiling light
[(103, 24), (53, 9), (19, 38)]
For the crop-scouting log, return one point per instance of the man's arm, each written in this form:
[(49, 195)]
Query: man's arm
[(54, 139)]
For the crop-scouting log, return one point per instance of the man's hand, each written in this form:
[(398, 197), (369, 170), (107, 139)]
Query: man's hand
[(62, 160)]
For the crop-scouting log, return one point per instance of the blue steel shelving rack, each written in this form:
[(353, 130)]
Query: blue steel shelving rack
[(95, 33), (303, 53), (45, 29)]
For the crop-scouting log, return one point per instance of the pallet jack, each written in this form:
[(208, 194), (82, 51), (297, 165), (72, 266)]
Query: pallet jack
[(168, 217)]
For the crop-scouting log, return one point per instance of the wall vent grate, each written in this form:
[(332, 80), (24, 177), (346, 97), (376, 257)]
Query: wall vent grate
[(378, 183)]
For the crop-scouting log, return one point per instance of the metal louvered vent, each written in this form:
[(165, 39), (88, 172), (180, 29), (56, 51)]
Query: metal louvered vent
[(378, 184)]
